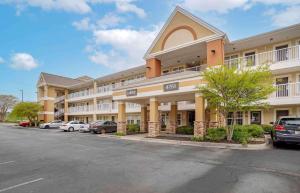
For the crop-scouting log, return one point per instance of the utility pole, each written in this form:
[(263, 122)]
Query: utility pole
[(22, 94)]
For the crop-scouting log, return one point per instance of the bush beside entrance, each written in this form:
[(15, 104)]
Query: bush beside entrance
[(241, 134), (185, 130)]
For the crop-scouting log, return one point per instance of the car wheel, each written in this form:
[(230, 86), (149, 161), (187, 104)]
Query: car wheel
[(47, 127), (71, 129)]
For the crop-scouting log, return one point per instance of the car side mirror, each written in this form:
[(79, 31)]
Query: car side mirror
[(272, 123)]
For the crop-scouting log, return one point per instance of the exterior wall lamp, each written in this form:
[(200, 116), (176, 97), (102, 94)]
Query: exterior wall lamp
[(213, 52)]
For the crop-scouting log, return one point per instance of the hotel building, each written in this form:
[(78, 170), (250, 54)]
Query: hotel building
[(162, 94)]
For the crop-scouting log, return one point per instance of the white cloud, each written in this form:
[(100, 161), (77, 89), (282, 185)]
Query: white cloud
[(126, 47), (127, 6), (23, 61), (83, 24), (1, 60), (221, 6), (109, 20), (288, 16), (78, 6)]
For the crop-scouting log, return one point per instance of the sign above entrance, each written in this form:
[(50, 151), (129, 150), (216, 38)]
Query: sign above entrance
[(171, 86), (132, 92)]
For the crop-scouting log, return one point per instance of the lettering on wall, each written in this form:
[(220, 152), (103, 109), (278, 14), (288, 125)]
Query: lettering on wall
[(171, 86), (131, 92)]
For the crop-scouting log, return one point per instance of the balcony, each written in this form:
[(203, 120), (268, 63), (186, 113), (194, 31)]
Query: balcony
[(81, 110), (191, 69), (81, 95), (277, 59), (103, 108), (285, 94)]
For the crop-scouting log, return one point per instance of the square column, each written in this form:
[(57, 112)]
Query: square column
[(153, 66), (172, 124), (215, 52), (143, 124), (66, 106), (121, 127), (199, 116), (95, 102), (154, 124)]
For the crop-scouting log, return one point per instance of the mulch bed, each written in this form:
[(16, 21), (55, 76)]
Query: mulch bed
[(189, 139)]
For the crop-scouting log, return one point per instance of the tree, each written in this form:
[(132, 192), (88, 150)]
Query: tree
[(231, 90), (27, 109), (6, 102)]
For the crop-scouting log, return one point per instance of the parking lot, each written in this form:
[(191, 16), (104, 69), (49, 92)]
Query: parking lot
[(48, 161)]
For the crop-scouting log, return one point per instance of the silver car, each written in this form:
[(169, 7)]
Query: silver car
[(52, 124)]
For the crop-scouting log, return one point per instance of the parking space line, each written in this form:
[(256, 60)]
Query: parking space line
[(22, 184), (8, 162)]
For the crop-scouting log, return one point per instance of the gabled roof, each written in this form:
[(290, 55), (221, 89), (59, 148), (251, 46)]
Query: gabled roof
[(56, 80), (189, 15)]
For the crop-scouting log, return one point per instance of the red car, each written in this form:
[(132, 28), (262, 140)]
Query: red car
[(24, 123)]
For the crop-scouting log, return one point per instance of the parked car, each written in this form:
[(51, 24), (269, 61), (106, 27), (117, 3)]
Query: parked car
[(24, 123), (105, 127), (52, 124), (72, 126), (93, 124), (286, 130)]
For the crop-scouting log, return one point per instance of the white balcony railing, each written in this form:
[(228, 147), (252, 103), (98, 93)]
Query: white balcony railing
[(266, 58), (82, 93), (286, 90), (59, 112), (81, 109), (191, 69)]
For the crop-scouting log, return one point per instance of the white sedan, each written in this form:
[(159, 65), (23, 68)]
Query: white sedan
[(73, 126), (52, 124)]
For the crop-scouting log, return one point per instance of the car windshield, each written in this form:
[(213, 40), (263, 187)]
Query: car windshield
[(291, 121)]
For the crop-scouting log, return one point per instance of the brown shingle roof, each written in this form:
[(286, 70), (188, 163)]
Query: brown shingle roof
[(52, 79)]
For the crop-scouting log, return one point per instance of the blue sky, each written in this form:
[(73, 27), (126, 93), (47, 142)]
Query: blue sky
[(98, 37)]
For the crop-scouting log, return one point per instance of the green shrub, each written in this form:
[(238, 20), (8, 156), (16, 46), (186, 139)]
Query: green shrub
[(197, 139), (254, 130), (120, 134), (241, 134), (215, 134), (267, 128), (133, 128), (185, 130)]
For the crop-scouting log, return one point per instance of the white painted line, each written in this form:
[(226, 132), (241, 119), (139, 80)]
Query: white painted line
[(22, 184), (8, 162)]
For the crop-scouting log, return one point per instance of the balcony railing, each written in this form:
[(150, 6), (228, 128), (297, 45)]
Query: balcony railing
[(59, 112), (191, 69), (266, 58), (81, 109), (286, 90), (82, 93)]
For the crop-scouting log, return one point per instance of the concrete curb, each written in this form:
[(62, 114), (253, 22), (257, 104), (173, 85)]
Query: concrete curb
[(192, 143)]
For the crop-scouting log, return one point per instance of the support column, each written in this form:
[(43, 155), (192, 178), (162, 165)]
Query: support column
[(49, 95), (213, 123), (215, 52), (153, 66), (95, 102), (154, 124), (143, 124), (199, 116), (66, 107), (121, 128), (172, 124)]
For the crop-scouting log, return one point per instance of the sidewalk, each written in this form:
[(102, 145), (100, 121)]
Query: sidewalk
[(144, 138)]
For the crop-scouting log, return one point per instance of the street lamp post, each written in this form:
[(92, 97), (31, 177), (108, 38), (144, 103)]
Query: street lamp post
[(22, 94)]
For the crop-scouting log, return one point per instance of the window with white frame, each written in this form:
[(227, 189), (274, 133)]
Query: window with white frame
[(238, 118), (179, 119), (250, 58)]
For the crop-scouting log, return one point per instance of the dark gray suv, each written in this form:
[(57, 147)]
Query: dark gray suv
[(286, 130)]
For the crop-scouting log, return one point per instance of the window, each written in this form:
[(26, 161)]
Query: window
[(238, 118), (255, 117), (281, 113), (281, 53), (179, 119), (250, 58), (282, 87)]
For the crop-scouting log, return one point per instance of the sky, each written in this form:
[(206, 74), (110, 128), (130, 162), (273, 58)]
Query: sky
[(98, 37)]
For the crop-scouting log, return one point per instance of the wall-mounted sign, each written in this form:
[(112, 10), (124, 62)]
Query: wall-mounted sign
[(132, 92), (171, 86)]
